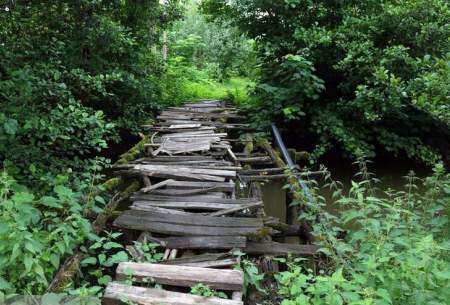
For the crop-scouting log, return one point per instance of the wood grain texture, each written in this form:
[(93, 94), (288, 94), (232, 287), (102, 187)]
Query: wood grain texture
[(182, 276), (136, 221), (198, 206), (205, 242), (115, 292), (275, 248)]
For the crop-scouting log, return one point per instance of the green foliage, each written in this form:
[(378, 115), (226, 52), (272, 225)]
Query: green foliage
[(217, 48), (384, 247), (36, 233), (151, 252), (360, 74), (73, 74), (205, 291), (252, 276), (102, 254)]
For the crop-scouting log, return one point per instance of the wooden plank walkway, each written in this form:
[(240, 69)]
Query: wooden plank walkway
[(189, 203)]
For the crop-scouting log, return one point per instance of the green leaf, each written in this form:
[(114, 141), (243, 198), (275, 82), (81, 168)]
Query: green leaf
[(105, 280), (4, 285), (10, 126), (442, 275), (112, 245), (28, 262), (100, 199), (89, 261), (22, 197), (55, 260), (384, 294), (336, 299)]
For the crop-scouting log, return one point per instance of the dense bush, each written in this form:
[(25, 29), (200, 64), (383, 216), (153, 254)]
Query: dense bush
[(354, 73), (74, 73), (383, 247), (217, 48), (36, 233)]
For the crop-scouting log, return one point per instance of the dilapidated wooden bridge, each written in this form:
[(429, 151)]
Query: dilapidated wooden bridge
[(199, 201)]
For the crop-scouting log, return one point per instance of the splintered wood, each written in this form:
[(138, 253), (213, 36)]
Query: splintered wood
[(188, 206)]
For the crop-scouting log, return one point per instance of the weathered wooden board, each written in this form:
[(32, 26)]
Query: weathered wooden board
[(150, 208), (205, 242), (116, 292), (207, 260), (182, 276), (200, 206), (255, 160), (177, 192), (224, 187), (197, 198), (255, 205), (180, 175), (184, 126), (179, 158), (187, 226), (150, 188), (191, 170), (197, 220), (275, 248)]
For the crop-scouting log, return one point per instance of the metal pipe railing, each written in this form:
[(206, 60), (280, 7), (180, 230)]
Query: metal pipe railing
[(292, 166)]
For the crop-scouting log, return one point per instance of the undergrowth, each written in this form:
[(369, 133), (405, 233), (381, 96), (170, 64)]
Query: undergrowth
[(382, 246)]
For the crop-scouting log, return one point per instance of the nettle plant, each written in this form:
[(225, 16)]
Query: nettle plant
[(36, 233), (382, 247)]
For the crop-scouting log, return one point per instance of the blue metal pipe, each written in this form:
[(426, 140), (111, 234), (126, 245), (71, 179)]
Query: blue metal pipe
[(292, 166)]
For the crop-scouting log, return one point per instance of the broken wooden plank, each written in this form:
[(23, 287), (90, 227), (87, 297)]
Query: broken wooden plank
[(184, 126), (258, 204), (155, 186), (115, 293), (176, 192), (187, 226), (208, 260), (202, 206), (182, 276), (197, 198), (173, 174), (255, 160), (157, 209), (262, 171), (205, 242), (275, 248), (190, 170), (220, 186), (196, 220)]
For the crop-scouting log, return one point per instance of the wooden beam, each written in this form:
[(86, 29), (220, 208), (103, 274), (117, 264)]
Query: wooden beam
[(180, 225), (197, 198), (116, 292), (192, 205), (182, 276), (155, 186), (205, 242), (274, 248), (237, 209)]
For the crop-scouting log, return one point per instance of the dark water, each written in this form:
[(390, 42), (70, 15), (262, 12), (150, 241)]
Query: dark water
[(390, 170)]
